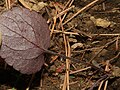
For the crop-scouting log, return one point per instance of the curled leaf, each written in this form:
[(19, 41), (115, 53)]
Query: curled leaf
[(25, 36)]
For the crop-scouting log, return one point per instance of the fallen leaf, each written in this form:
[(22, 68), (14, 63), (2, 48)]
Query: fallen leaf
[(25, 35), (101, 22)]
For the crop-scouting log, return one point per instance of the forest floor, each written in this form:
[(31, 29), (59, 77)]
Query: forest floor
[(86, 30)]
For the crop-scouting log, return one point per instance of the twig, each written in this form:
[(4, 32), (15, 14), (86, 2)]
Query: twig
[(107, 70), (72, 33), (61, 13), (54, 58), (90, 49), (106, 83), (30, 82), (104, 77), (103, 4), (66, 51), (117, 43), (101, 83), (64, 84), (84, 8), (69, 5), (70, 83), (116, 34), (54, 19), (73, 72), (105, 46), (67, 64), (96, 54), (8, 4), (113, 59), (81, 32)]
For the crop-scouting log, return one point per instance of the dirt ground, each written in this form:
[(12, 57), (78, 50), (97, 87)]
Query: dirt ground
[(92, 37)]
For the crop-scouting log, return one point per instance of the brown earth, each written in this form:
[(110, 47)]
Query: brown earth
[(96, 50)]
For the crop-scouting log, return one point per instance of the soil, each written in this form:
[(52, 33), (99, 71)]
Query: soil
[(97, 47)]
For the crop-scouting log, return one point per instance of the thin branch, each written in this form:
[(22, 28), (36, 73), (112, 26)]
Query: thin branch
[(84, 8)]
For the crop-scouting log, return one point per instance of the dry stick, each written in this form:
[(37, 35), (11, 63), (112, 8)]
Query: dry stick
[(41, 84), (101, 83), (54, 19), (103, 4), (73, 72), (106, 45), (104, 77), (7, 4), (64, 8), (73, 66), (81, 32), (64, 37), (70, 83), (30, 82), (58, 15), (106, 83), (116, 34), (72, 33), (107, 70), (54, 58), (71, 3), (96, 55), (66, 51), (117, 43), (64, 84), (90, 49), (61, 13), (67, 4), (67, 64), (84, 8), (113, 59), (83, 54), (41, 81)]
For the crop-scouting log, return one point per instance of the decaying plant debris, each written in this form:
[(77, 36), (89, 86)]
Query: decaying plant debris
[(86, 30)]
